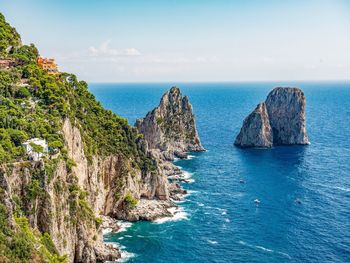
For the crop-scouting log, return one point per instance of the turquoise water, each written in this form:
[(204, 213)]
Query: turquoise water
[(222, 222)]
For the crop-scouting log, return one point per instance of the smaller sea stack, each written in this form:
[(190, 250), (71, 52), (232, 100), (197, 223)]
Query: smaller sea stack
[(280, 120)]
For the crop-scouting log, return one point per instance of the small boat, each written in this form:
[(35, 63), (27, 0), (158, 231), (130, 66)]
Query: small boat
[(257, 201), (242, 181)]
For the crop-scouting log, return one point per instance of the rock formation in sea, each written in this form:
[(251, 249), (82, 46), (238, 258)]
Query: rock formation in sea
[(170, 127), (280, 120)]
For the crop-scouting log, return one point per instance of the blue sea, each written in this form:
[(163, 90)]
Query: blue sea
[(304, 214)]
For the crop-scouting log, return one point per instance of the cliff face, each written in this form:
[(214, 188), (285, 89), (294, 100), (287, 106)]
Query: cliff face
[(280, 120), (170, 128), (71, 199), (256, 130), (286, 109)]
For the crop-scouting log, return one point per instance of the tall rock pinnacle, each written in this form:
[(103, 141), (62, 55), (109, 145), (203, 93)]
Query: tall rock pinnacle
[(280, 120), (171, 127)]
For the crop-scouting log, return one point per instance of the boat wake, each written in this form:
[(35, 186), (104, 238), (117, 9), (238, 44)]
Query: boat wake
[(264, 249)]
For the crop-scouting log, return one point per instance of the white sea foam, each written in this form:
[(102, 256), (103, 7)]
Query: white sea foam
[(227, 220), (178, 213), (190, 157), (187, 176), (212, 241), (123, 226), (106, 231), (125, 255)]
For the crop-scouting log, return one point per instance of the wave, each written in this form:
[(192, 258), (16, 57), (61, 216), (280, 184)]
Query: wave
[(123, 226), (187, 176), (124, 255), (178, 213), (212, 241), (106, 231), (190, 157)]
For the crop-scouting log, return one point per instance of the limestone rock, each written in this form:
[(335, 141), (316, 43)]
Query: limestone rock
[(171, 126), (280, 120), (256, 130), (286, 109)]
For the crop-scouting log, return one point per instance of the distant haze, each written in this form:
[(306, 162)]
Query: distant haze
[(193, 40)]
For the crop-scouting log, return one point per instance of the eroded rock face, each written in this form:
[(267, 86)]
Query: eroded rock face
[(280, 120), (106, 180), (256, 130), (171, 127), (286, 109)]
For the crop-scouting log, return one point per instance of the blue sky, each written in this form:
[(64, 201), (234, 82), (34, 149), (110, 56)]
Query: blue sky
[(122, 41)]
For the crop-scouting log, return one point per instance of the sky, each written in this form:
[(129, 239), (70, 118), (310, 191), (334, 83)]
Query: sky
[(189, 40)]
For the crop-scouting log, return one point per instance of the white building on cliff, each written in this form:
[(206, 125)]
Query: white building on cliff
[(36, 148)]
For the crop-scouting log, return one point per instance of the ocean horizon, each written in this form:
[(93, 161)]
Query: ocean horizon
[(304, 190)]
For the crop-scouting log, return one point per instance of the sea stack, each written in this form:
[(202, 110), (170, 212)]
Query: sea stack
[(280, 120), (170, 127)]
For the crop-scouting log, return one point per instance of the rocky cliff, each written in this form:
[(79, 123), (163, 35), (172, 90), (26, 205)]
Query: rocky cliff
[(68, 203), (280, 120), (170, 127)]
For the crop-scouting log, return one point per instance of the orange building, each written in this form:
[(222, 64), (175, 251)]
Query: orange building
[(48, 64)]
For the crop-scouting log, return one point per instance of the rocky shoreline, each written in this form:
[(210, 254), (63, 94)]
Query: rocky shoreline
[(169, 132), (153, 210)]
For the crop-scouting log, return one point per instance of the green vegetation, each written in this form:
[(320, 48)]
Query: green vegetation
[(24, 244), (8, 36), (130, 201), (159, 121)]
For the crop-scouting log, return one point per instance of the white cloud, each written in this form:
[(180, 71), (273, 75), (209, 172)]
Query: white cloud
[(104, 50)]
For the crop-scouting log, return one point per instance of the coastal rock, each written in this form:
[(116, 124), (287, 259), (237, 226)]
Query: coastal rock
[(256, 130), (280, 120), (286, 110), (171, 127), (101, 184), (147, 210)]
